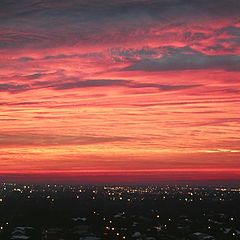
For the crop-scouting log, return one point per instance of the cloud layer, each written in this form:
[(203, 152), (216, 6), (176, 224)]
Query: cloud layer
[(106, 84)]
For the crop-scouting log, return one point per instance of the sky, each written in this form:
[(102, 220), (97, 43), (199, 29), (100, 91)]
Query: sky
[(120, 91)]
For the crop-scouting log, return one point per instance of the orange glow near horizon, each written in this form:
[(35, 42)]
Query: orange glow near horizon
[(87, 89)]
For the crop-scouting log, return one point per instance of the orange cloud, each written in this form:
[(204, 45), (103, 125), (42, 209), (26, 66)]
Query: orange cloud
[(129, 86)]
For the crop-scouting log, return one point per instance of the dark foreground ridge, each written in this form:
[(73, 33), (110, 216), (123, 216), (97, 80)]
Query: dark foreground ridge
[(60, 212)]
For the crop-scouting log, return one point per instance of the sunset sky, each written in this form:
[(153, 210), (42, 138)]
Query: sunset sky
[(120, 90)]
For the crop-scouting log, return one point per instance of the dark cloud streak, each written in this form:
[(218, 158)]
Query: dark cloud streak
[(187, 61), (91, 83), (44, 24)]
